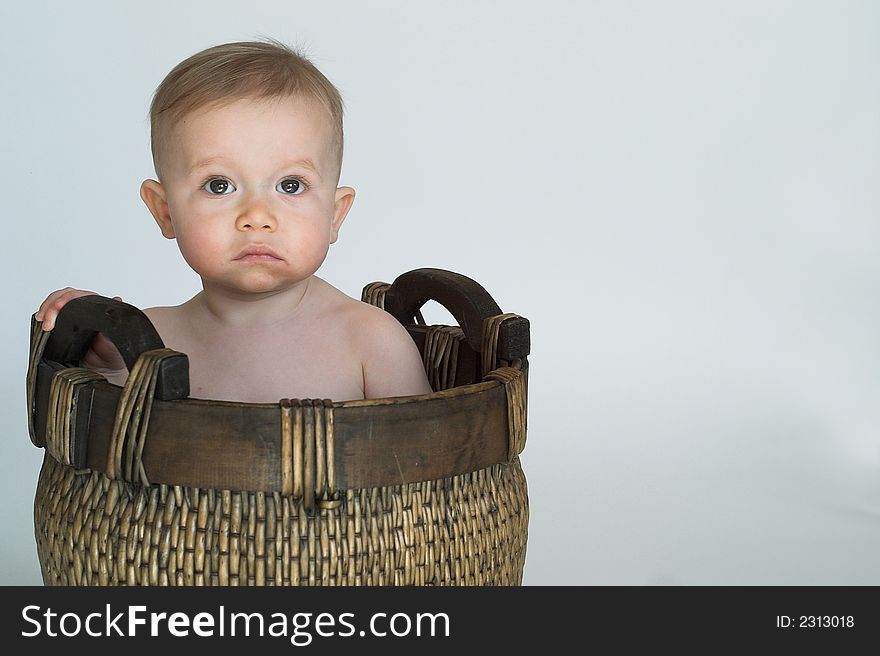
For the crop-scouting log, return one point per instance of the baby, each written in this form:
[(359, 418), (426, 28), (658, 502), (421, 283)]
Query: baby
[(247, 145)]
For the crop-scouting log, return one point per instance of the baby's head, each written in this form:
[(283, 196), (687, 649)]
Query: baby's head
[(223, 74), (247, 144)]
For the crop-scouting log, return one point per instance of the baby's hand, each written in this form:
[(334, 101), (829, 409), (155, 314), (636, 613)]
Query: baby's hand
[(103, 355), (50, 308)]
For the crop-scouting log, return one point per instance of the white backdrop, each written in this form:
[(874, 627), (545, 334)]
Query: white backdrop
[(682, 197)]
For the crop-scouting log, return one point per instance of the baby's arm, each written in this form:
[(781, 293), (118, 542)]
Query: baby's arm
[(102, 356), (392, 363)]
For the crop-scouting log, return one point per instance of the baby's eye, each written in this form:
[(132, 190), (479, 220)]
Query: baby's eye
[(218, 186), (292, 186)]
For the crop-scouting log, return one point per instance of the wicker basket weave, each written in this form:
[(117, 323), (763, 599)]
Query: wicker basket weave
[(109, 510)]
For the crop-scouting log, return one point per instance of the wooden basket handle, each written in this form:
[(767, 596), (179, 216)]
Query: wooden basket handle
[(465, 299), (127, 327)]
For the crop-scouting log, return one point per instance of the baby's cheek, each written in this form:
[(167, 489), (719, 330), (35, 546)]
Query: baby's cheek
[(199, 249), (314, 249)]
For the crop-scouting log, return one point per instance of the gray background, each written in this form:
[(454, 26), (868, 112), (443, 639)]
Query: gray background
[(682, 197)]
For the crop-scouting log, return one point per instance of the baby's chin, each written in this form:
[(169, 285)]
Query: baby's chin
[(257, 283)]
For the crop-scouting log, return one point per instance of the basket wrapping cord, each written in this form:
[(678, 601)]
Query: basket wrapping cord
[(374, 294), (512, 379), (39, 337), (308, 466), (62, 411), (440, 355), (132, 421)]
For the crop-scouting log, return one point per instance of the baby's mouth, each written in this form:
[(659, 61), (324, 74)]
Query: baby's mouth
[(258, 253)]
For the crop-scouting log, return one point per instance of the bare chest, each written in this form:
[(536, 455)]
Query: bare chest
[(317, 361)]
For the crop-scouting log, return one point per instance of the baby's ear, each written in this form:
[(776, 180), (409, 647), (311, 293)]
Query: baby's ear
[(154, 198), (344, 199)]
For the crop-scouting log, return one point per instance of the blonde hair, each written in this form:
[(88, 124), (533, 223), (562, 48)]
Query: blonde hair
[(222, 74)]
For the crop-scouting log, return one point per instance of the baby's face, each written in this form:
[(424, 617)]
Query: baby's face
[(252, 175)]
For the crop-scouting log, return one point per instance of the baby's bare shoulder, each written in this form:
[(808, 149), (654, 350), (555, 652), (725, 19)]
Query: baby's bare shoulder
[(392, 364), (370, 330), (159, 313), (360, 318), (166, 321), (372, 326)]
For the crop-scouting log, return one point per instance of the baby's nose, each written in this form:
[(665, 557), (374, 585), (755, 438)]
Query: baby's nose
[(256, 215)]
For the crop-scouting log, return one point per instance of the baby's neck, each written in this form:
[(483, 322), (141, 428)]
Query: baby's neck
[(224, 309)]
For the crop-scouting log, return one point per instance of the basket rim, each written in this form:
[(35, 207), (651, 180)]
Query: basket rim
[(236, 445)]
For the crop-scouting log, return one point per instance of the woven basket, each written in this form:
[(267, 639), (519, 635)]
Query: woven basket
[(141, 485)]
